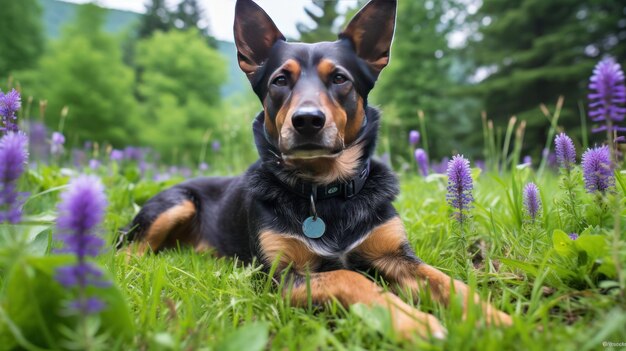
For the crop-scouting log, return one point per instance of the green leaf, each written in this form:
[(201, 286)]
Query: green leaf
[(34, 302), (594, 245), (375, 317), (563, 245), (250, 337), (527, 268)]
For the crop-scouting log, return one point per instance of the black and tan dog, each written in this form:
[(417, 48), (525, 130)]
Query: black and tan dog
[(315, 203)]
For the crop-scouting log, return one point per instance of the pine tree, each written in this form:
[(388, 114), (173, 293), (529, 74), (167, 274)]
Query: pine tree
[(157, 18), (324, 29), (189, 15), (538, 50), (418, 78), (21, 35)]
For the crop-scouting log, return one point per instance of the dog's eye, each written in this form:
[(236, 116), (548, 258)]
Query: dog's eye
[(339, 78), (280, 81)]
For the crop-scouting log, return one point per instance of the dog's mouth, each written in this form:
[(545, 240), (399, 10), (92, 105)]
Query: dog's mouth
[(310, 151)]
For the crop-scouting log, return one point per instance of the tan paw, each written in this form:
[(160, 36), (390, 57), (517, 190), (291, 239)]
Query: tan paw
[(424, 325)]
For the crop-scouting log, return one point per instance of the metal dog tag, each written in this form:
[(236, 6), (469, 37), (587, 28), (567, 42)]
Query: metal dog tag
[(313, 227)]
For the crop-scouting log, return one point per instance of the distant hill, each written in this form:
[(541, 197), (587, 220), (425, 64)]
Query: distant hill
[(57, 14)]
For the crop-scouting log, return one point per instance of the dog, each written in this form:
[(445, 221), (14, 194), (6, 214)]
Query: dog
[(315, 207)]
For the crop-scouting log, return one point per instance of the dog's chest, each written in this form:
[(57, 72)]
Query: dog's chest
[(336, 254)]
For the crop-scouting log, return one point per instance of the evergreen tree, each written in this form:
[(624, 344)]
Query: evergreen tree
[(157, 18), (189, 15), (84, 71), (418, 78), (21, 35), (324, 29), (537, 50)]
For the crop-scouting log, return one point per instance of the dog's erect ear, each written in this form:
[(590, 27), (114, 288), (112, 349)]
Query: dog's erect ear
[(371, 32), (255, 34)]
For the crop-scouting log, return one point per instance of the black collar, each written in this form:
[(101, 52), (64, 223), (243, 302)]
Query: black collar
[(347, 189)]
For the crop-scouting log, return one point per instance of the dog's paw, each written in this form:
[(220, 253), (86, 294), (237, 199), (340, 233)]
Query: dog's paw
[(408, 325), (498, 318)]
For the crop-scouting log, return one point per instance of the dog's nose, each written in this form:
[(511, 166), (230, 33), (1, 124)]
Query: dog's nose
[(308, 121)]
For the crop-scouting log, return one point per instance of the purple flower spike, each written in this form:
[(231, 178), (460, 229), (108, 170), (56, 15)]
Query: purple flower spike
[(94, 164), (422, 161), (573, 236), (597, 169), (56, 143), (414, 137), (608, 95), (459, 186), (216, 146), (80, 212), (13, 158), (532, 201), (565, 151), (9, 104), (116, 155), (203, 167)]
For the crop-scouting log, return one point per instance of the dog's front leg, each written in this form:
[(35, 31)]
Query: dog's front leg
[(350, 288), (347, 287), (388, 251)]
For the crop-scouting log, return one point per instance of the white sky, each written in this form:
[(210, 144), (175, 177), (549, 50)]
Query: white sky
[(285, 13)]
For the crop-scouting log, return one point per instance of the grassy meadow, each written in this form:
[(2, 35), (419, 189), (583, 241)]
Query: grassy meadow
[(562, 293)]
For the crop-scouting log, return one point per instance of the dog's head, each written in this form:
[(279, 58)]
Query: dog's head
[(314, 95)]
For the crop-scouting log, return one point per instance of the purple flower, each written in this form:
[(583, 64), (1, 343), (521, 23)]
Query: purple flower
[(441, 167), (480, 164), (597, 169), (94, 164), (186, 172), (216, 146), (573, 236), (565, 151), (133, 153), (422, 161), (532, 201), (459, 186), (414, 137), (56, 143), (13, 158), (37, 140), (116, 155), (78, 157), (9, 104), (80, 212), (203, 167), (527, 160), (608, 93)]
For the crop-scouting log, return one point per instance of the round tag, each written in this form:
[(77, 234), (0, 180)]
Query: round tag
[(313, 228)]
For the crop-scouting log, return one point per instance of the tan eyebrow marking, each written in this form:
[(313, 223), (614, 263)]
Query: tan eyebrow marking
[(325, 68)]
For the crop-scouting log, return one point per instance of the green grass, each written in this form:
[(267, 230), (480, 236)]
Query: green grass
[(181, 300)]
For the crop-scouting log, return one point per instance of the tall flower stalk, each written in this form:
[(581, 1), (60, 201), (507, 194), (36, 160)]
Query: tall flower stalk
[(460, 187), (565, 152), (532, 200), (422, 161), (10, 103), (607, 99), (566, 159), (598, 169), (13, 159), (80, 212)]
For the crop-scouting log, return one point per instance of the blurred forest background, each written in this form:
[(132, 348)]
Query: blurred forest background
[(161, 80)]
